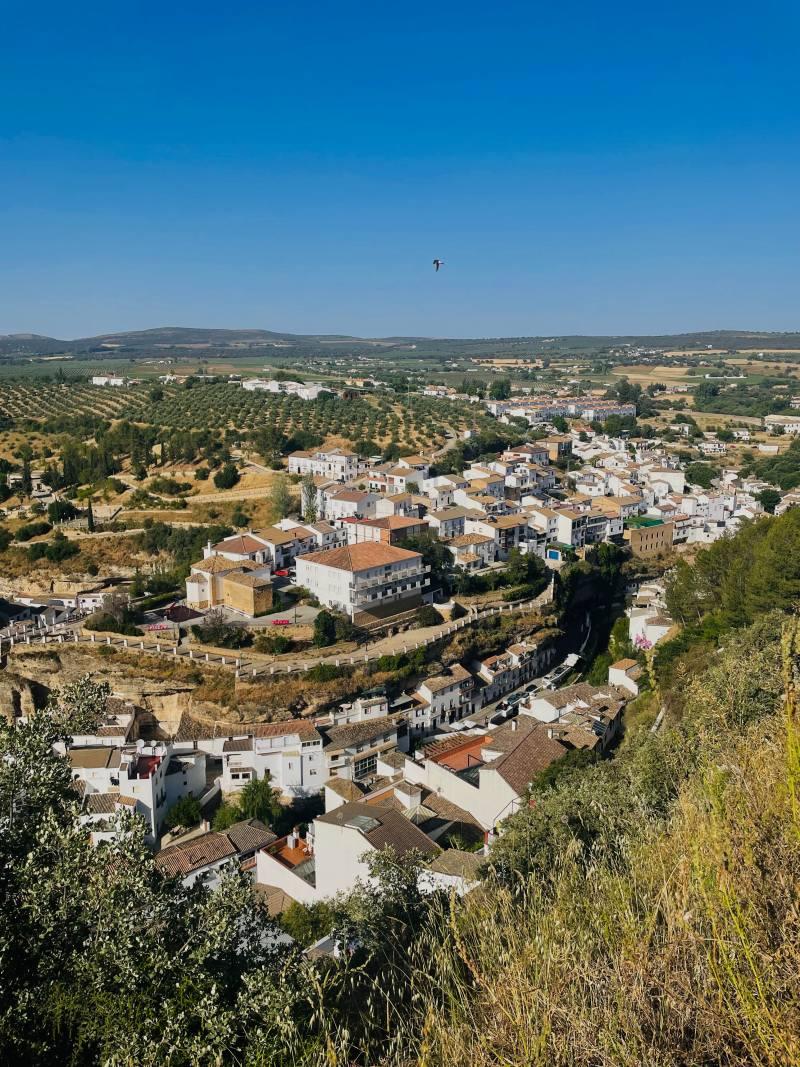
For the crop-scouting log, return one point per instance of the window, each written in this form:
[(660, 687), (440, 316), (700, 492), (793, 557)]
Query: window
[(365, 766)]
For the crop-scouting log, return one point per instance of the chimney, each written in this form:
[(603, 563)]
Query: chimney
[(310, 839), (408, 794), (291, 839), (513, 725)]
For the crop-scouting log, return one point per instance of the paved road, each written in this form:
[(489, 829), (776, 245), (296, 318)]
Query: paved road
[(450, 443)]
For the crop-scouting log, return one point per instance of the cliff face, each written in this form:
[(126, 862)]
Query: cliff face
[(19, 695), (32, 673)]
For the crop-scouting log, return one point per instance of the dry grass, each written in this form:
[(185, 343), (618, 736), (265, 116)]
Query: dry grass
[(645, 374), (685, 953)]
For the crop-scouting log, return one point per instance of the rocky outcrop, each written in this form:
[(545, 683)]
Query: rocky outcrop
[(19, 695), (32, 673)]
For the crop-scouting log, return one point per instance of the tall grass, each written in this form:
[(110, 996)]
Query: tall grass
[(682, 950)]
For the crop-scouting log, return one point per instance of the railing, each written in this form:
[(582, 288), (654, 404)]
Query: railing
[(245, 669), (389, 579)]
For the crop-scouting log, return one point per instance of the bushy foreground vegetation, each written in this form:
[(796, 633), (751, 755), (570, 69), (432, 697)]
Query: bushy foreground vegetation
[(641, 911)]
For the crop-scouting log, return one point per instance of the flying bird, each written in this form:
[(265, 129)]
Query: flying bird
[(438, 263)]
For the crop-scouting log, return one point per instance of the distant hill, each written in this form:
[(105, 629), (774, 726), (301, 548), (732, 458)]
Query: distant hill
[(230, 342)]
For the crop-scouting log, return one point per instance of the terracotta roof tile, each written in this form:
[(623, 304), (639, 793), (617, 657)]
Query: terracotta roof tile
[(361, 557)]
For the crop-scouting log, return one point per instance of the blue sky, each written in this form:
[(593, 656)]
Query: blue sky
[(581, 168)]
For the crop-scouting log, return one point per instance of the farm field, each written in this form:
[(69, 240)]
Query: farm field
[(33, 399), (645, 374), (411, 420)]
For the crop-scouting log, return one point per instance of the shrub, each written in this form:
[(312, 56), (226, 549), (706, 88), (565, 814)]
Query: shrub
[(104, 622), (227, 477), (5, 538), (61, 511), (60, 548), (273, 644), (214, 630), (202, 474), (168, 486), (324, 629), (307, 923), (326, 672), (428, 616), (33, 529), (184, 812)]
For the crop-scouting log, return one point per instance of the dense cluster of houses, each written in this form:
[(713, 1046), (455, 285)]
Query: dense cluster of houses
[(551, 498), (415, 774)]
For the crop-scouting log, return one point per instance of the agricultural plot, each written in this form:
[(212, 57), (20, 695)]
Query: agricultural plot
[(45, 400), (411, 420)]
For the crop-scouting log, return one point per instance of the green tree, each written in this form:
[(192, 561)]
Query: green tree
[(500, 389), (701, 474), (307, 923), (324, 629), (226, 815), (184, 812), (280, 498), (26, 481), (308, 498), (427, 615), (260, 800), (61, 511), (226, 477), (769, 499)]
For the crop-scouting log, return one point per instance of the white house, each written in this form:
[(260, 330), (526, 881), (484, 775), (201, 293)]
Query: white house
[(350, 504), (625, 674), (352, 749), (147, 778), (789, 423), (332, 857), (291, 752), (444, 698), (580, 716), (205, 857), (240, 547), (486, 775), (339, 464), (365, 577), (507, 671), (107, 379)]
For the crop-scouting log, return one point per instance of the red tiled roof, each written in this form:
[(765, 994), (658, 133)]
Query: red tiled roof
[(241, 543), (361, 557)]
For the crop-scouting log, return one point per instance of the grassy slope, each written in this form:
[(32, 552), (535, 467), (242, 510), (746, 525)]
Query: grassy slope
[(678, 947)]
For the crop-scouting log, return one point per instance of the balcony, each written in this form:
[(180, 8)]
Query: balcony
[(392, 577)]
